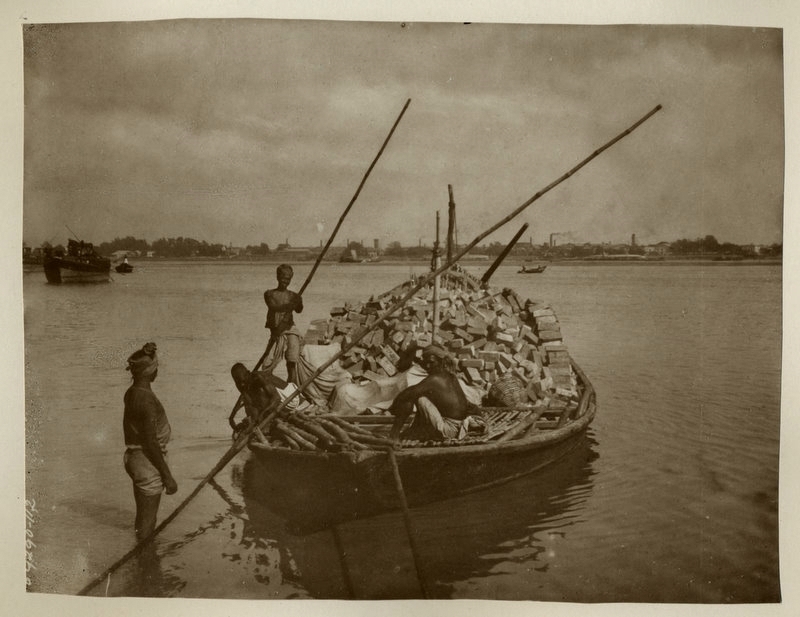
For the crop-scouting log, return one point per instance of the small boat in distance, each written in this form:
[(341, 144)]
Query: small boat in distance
[(536, 270), (124, 267), (80, 264)]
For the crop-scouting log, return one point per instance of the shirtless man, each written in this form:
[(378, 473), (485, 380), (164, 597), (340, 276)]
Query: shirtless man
[(441, 404), (258, 395), (281, 303)]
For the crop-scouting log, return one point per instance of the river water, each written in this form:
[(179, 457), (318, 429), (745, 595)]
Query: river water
[(673, 496)]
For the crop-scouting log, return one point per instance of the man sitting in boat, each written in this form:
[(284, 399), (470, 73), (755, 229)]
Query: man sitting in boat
[(284, 335), (442, 408)]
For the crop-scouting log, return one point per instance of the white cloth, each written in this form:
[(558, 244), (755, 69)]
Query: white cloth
[(445, 428), (323, 386)]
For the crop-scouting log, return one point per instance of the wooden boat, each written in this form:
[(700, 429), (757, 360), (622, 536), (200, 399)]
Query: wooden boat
[(317, 480), (535, 270), (81, 264), (124, 268)]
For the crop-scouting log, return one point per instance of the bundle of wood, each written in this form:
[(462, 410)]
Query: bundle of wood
[(491, 333), (330, 433)]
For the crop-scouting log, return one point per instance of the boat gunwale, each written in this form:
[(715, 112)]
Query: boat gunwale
[(541, 438)]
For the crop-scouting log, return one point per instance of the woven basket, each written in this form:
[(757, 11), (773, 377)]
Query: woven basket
[(508, 391)]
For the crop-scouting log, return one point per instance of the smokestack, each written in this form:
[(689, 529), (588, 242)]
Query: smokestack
[(633, 239), (552, 240), (376, 244)]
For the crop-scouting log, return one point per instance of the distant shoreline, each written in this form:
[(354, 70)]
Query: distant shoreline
[(669, 261)]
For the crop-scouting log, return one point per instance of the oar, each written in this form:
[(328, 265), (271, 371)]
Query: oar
[(243, 438), (488, 274), (271, 343)]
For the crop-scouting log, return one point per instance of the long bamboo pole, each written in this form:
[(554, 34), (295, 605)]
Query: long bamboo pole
[(488, 274), (423, 281), (322, 253), (355, 196), (243, 438)]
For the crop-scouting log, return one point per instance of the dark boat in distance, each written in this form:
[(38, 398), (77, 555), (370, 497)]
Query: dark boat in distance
[(80, 264), (537, 405), (124, 268), (535, 270)]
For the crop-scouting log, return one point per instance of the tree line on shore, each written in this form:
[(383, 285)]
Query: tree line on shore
[(181, 247)]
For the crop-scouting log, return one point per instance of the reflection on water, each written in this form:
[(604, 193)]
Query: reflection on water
[(458, 538)]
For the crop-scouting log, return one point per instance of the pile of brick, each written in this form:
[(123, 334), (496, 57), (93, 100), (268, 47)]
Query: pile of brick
[(489, 332)]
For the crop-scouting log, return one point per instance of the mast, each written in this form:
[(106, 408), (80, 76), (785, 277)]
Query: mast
[(451, 224), (437, 262)]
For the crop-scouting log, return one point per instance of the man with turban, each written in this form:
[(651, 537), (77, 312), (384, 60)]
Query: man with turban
[(442, 408), (284, 335), (147, 433)]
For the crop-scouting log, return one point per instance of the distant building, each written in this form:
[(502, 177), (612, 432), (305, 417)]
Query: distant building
[(289, 253), (662, 248)]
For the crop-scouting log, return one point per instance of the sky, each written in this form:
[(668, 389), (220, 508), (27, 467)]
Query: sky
[(256, 130)]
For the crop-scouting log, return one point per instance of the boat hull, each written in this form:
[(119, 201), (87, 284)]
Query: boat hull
[(315, 489), (58, 271)]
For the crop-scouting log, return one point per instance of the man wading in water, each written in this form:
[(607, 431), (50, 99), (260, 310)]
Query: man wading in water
[(281, 303), (147, 433)]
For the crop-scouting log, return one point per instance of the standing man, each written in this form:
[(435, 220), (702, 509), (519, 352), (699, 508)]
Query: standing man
[(281, 303), (147, 433)]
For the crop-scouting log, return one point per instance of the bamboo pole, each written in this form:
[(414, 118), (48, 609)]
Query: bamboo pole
[(322, 253), (451, 224), (359, 334), (437, 262), (488, 274), (243, 438), (352, 201), (410, 531)]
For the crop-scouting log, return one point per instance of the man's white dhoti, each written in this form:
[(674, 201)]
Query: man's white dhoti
[(429, 423)]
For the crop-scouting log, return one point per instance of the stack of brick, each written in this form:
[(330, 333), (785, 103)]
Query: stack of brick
[(489, 332)]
